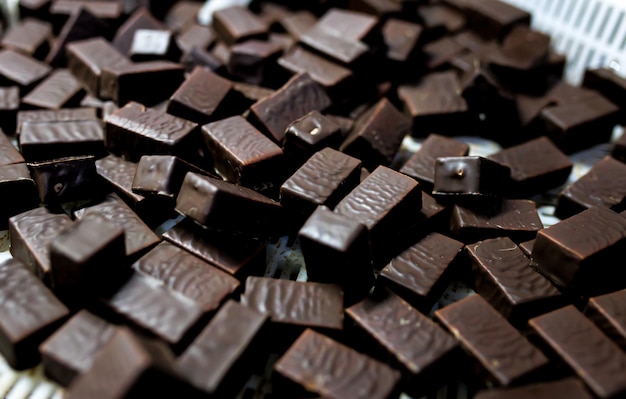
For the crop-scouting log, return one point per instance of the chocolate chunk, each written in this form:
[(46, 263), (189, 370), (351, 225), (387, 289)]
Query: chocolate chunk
[(71, 350), (608, 83), (138, 237), (42, 141), (469, 178), (197, 57), (310, 134), (9, 154), (377, 135), (181, 14), (108, 11), (440, 20), (30, 233), (254, 61), (421, 272), (494, 18), (334, 45), (592, 355), (153, 45), (421, 164), (134, 130), (319, 363), (18, 190), (220, 359), (222, 206), (161, 175), (600, 186), (195, 35), (30, 36), (60, 115), (298, 22), (582, 251), (30, 313), (184, 273), (59, 90), (415, 342), (202, 97), (607, 312), (119, 174), (234, 24), (276, 112), (17, 69), (507, 356), (382, 8), (504, 277), (401, 38), (567, 387), (536, 166), (141, 18), (9, 105)]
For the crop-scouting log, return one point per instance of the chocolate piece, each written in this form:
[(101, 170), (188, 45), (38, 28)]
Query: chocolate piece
[(30, 36), (254, 61), (324, 179), (135, 130), (161, 175), (222, 206), (517, 219), (504, 277), (536, 166), (298, 22), (414, 341), (318, 363), (567, 388), (120, 173), (18, 191), (241, 154), (184, 273), (61, 115), (9, 105), (310, 134), (349, 23), (592, 355), (87, 58), (401, 38), (30, 233), (494, 18), (469, 178), (421, 164), (30, 312), (195, 35), (234, 255), (582, 251), (276, 112), (234, 24), (141, 18), (41, 141), (21, 70), (153, 45), (607, 312), (59, 90), (439, 53), (377, 135), (147, 304), (219, 360), (135, 82), (71, 350), (382, 8), (334, 45), (202, 97), (601, 186), (421, 272), (181, 14), (608, 83), (507, 356), (9, 154), (197, 57)]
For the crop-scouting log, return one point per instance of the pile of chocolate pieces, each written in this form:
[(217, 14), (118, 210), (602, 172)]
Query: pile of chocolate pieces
[(287, 119)]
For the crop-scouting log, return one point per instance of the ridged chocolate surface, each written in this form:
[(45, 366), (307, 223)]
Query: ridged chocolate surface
[(183, 272), (55, 91), (234, 24), (322, 71), (22, 69), (27, 36), (333, 44), (61, 132), (499, 347), (413, 338), (309, 304), (202, 91), (592, 355), (331, 369), (9, 99), (214, 352), (421, 165), (14, 173), (421, 265), (64, 114), (147, 303), (120, 173)]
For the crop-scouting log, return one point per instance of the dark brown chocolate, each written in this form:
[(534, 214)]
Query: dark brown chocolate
[(608, 83), (9, 106), (309, 134), (30, 36), (469, 178), (141, 18), (154, 45), (59, 90), (607, 312), (195, 36), (235, 24), (21, 70), (254, 61), (61, 115), (334, 45), (119, 174)]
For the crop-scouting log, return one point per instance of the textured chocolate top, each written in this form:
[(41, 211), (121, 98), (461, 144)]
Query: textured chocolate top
[(325, 72), (61, 132), (333, 44), (187, 274), (64, 114), (55, 91), (437, 93), (612, 308), (9, 154), (202, 91), (331, 369), (499, 347), (120, 173), (21, 69), (294, 302), (414, 339), (9, 99), (592, 355)]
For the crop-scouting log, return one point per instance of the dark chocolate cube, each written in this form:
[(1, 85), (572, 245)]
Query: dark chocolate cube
[(18, 190), (161, 175), (141, 18), (606, 312), (235, 24), (59, 90), (309, 134), (9, 105), (9, 154), (458, 178), (152, 44), (17, 69), (30, 36), (607, 82)]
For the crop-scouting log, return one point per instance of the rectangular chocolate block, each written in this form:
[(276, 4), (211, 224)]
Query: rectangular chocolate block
[(322, 365), (30, 36), (18, 191), (493, 18), (140, 18), (188, 275), (608, 83), (568, 388), (9, 154), (597, 360), (17, 69), (9, 106), (334, 45), (59, 90), (30, 233), (135, 130), (61, 115), (607, 312), (310, 133), (469, 178), (254, 61), (235, 24), (507, 355), (119, 174), (29, 314), (220, 360), (71, 350), (161, 175)]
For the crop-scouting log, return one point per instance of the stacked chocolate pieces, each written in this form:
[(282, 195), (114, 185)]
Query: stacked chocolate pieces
[(154, 167)]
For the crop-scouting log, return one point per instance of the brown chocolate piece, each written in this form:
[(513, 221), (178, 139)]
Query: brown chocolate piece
[(188, 275), (17, 69), (120, 173), (440, 20), (18, 189), (254, 61), (401, 38), (161, 175), (154, 45), (298, 22), (469, 178), (141, 18), (30, 313), (349, 23), (536, 166), (109, 11), (59, 90), (9, 154), (583, 251), (333, 44), (71, 350), (276, 112), (439, 53), (220, 359), (30, 233), (567, 388), (195, 35), (507, 355), (322, 365), (377, 135), (608, 83), (421, 272), (607, 312), (197, 57), (30, 36), (134, 130), (181, 14), (9, 106), (235, 24), (60, 115), (602, 186), (383, 8), (421, 164), (592, 355)]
